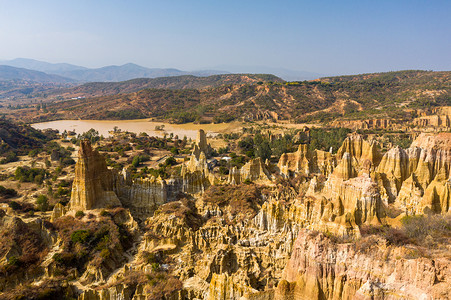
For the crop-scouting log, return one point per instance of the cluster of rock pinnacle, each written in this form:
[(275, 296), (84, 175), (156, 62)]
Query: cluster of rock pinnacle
[(282, 252)]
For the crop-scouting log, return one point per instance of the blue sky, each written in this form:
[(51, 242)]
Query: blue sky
[(328, 37)]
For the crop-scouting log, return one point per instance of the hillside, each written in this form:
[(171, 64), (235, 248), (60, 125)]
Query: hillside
[(25, 89), (20, 138), (20, 82), (394, 95), (93, 89)]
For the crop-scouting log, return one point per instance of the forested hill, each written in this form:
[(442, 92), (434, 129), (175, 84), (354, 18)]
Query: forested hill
[(93, 89), (403, 77), (393, 95), (18, 139)]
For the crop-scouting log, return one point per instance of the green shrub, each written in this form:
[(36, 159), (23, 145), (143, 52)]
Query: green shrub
[(7, 193), (33, 153), (27, 174), (65, 258), (155, 267), (67, 161), (263, 150), (104, 213), (80, 236), (14, 205), (13, 261), (105, 253), (10, 157), (170, 161), (42, 202), (174, 150), (324, 139), (135, 161)]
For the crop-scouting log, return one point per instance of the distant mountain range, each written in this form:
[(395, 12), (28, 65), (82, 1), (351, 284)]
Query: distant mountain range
[(104, 74), (16, 83), (132, 71), (42, 66), (8, 73)]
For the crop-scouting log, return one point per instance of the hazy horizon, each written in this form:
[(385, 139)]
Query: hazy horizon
[(325, 37)]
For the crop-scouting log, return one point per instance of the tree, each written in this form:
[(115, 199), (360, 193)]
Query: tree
[(170, 161), (263, 150), (42, 202), (136, 161)]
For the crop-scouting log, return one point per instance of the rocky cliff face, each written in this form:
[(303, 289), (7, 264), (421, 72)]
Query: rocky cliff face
[(95, 186), (300, 161), (93, 183), (202, 144), (278, 240), (365, 124), (437, 118), (415, 180), (418, 180), (196, 175), (360, 156), (306, 162), (361, 182), (321, 269), (365, 152), (226, 260), (254, 170), (434, 119), (348, 197), (144, 196)]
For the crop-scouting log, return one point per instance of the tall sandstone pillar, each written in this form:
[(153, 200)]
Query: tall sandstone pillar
[(93, 184)]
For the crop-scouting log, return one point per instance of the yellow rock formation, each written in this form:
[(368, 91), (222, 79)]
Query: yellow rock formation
[(196, 175), (363, 151), (299, 161), (319, 269), (278, 251), (418, 179), (254, 170), (93, 183), (437, 118)]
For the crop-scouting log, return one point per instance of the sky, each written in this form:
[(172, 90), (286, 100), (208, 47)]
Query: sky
[(327, 37)]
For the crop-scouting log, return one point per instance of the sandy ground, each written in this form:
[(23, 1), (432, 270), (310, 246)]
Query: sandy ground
[(137, 126), (148, 126)]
